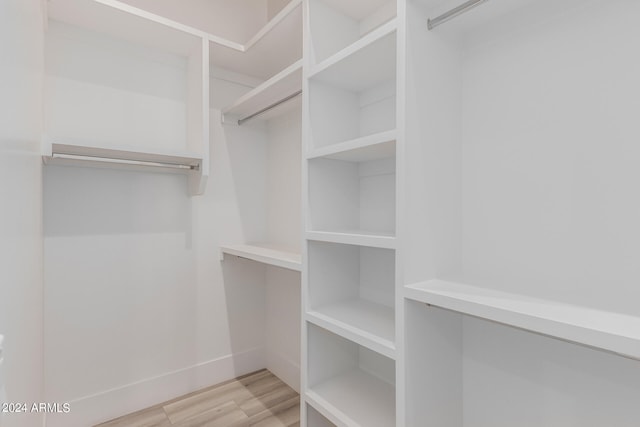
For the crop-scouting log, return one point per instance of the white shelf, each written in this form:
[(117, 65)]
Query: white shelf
[(117, 153), (123, 21), (355, 237), (265, 255), (275, 47), (355, 398), (280, 86), (372, 147), (367, 62), (368, 324), (609, 331)]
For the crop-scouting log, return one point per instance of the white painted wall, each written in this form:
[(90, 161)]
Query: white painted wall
[(548, 193), (21, 206), (236, 20)]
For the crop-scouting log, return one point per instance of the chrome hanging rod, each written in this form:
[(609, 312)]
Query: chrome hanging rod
[(270, 107), (464, 7), (125, 161)]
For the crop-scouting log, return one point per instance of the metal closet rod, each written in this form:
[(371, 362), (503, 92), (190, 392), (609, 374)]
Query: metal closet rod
[(125, 161), (270, 107), (464, 7)]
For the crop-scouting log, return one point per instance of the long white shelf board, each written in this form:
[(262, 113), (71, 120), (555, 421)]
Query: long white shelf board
[(120, 153), (265, 255), (124, 21), (277, 88), (609, 331), (355, 399), (355, 237), (272, 49), (368, 61), (368, 324), (372, 147)]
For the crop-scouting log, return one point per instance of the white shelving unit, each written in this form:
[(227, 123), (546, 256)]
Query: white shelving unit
[(349, 262), (125, 87), (459, 141), (265, 255)]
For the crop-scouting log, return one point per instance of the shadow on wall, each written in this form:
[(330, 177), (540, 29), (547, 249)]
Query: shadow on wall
[(120, 279)]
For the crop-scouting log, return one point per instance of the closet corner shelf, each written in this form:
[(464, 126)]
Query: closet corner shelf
[(274, 47), (368, 324), (281, 86), (367, 59), (265, 255), (371, 147), (614, 332), (356, 237), (354, 398)]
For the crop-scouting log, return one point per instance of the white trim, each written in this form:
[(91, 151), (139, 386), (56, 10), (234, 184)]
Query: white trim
[(103, 406)]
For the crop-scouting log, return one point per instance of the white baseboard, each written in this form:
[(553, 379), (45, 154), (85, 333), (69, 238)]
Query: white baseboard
[(103, 406), (284, 368)]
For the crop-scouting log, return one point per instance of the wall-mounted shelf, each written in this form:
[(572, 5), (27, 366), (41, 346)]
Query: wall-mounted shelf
[(355, 237), (276, 46), (609, 331), (369, 324), (54, 153), (265, 255), (280, 87)]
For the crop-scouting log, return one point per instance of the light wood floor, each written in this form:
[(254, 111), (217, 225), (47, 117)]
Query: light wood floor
[(259, 400)]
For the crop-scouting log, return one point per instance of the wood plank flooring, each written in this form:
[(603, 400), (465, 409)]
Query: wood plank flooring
[(259, 399)]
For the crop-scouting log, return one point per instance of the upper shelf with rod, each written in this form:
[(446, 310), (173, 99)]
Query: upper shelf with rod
[(271, 97), (148, 110)]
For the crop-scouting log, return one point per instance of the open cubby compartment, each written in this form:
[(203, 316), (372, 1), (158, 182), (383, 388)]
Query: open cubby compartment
[(117, 78), (351, 196), (462, 371), (347, 383), (315, 418), (356, 96), (521, 169), (351, 292), (336, 24)]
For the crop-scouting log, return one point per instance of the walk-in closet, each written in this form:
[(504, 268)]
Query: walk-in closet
[(351, 213)]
